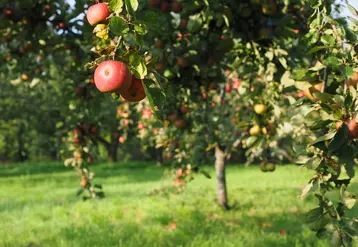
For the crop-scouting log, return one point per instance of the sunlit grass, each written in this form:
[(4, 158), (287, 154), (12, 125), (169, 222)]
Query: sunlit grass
[(38, 207)]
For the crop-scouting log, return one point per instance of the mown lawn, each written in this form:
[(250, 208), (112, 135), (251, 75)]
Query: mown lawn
[(38, 207)]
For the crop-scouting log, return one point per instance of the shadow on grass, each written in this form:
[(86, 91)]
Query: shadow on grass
[(37, 168), (194, 229)]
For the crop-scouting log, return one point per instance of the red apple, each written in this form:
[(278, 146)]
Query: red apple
[(180, 123), (183, 23), (61, 25), (153, 3), (147, 113), (184, 109), (164, 7), (182, 62), (79, 91), (111, 76), (140, 126), (159, 67), (94, 130), (176, 6), (126, 122), (97, 13), (135, 92), (352, 126), (8, 11), (228, 88), (122, 139)]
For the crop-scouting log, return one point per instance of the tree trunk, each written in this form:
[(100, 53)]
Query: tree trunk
[(221, 177), (112, 152), (22, 154), (159, 154)]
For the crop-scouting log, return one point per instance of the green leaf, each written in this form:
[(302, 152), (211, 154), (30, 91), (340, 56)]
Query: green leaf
[(339, 139), (251, 141), (324, 97), (306, 190), (194, 24), (138, 65), (155, 96), (349, 71), (328, 40), (132, 6), (325, 137), (352, 10), (314, 215), (118, 26), (151, 20), (116, 6), (205, 173), (332, 61), (140, 27), (350, 201), (317, 48)]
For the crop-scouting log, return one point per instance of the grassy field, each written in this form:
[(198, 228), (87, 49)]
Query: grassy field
[(38, 207)]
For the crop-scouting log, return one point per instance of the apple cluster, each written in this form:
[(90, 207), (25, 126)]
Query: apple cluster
[(111, 75)]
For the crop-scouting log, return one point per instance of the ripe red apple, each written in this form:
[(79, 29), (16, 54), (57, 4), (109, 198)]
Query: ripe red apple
[(147, 113), (140, 126), (61, 25), (25, 77), (180, 172), (79, 91), (159, 67), (228, 88), (180, 123), (94, 130), (112, 76), (135, 92), (126, 122), (77, 140), (153, 3), (172, 117), (8, 11), (97, 13), (89, 159), (176, 6), (352, 126), (184, 109), (183, 23), (164, 7), (122, 139), (182, 62)]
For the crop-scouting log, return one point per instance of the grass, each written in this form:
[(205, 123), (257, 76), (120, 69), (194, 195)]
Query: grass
[(38, 207)]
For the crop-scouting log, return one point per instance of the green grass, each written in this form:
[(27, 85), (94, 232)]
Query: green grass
[(38, 207)]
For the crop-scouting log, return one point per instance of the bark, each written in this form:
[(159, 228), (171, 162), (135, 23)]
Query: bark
[(220, 165), (112, 153), (159, 154), (22, 154)]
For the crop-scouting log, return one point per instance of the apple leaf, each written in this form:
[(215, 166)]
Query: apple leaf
[(352, 10), (132, 6), (116, 6), (138, 65), (339, 139), (118, 26), (155, 96)]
